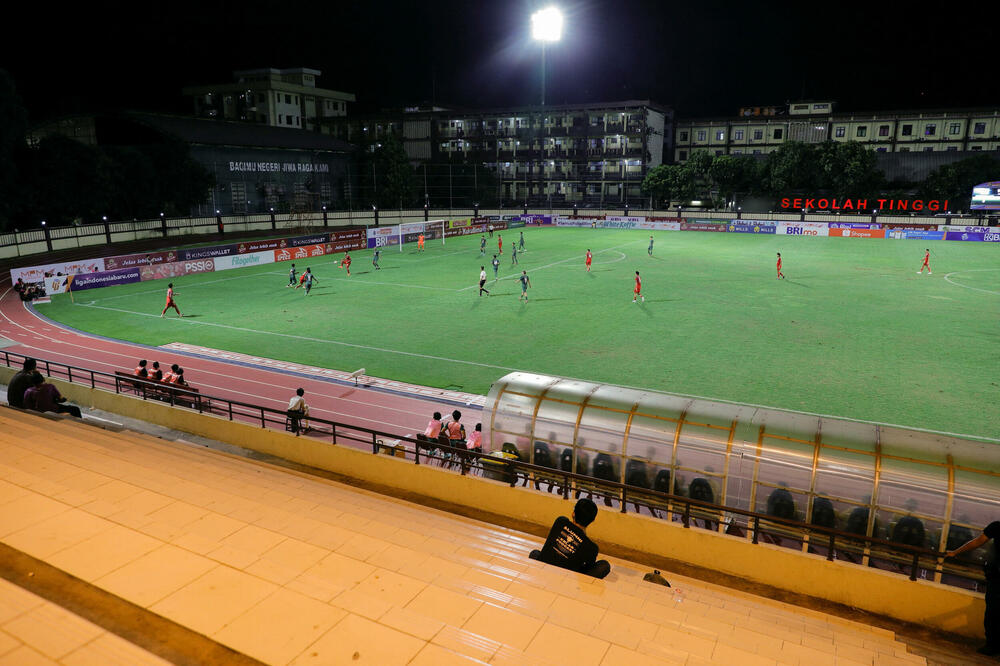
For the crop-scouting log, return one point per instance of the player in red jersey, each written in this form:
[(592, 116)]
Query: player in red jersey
[(500, 243), (590, 257), (170, 301), (637, 292), (346, 263), (927, 262), (781, 276)]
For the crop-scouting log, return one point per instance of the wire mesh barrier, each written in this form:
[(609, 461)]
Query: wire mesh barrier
[(506, 466)]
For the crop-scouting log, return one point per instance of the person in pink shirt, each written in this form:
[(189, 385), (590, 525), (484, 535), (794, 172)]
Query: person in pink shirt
[(433, 427), (475, 440)]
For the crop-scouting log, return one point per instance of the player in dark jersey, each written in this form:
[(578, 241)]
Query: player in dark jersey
[(482, 246), (309, 279), (291, 277), (521, 242), (650, 250), (496, 267), (525, 283), (375, 257), (513, 254)]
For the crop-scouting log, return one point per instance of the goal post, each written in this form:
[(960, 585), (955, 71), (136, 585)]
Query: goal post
[(409, 231)]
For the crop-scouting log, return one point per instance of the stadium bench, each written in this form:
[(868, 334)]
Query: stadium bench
[(181, 395)]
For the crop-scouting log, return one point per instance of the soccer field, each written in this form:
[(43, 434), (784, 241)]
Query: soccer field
[(853, 331)]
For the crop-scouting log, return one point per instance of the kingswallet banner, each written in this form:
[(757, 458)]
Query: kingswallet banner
[(104, 279)]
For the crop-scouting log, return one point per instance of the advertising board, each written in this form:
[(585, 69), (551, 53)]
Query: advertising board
[(39, 273), (314, 239), (915, 233), (990, 237), (104, 279), (751, 228), (261, 245), (702, 226), (344, 241), (802, 229), (853, 225), (207, 252), (243, 260), (148, 259), (858, 233)]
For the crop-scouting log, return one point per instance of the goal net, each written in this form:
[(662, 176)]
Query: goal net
[(410, 232)]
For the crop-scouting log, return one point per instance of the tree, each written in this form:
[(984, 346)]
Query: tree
[(791, 167), (394, 173), (848, 169), (667, 182), (955, 181), (733, 173)]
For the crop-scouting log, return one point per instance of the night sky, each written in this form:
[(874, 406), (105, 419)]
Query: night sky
[(702, 58)]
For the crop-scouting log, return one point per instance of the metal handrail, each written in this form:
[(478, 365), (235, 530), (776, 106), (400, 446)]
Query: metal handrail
[(686, 508)]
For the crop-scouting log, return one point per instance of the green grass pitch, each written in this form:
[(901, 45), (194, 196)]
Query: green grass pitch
[(853, 331)]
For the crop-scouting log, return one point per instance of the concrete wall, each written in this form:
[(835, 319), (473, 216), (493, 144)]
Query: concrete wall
[(921, 602)]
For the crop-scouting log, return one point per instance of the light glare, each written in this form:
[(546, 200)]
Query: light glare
[(546, 25)]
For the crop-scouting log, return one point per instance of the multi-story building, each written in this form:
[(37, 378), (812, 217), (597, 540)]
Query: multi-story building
[(275, 97), (760, 131), (595, 154)]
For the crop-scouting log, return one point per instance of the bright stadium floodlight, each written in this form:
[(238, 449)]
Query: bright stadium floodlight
[(546, 26)]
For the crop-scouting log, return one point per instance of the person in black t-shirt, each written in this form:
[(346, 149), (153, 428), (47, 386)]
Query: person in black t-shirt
[(20, 383), (991, 621), (568, 545)]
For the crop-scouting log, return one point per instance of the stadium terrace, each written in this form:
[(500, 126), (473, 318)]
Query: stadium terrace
[(933, 205)]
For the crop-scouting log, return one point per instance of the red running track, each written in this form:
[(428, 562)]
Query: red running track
[(378, 410)]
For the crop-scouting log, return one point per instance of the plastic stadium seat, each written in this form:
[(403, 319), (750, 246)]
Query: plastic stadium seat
[(823, 514)]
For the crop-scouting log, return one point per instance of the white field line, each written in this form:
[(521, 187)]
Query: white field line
[(947, 278), (304, 337), (555, 263), (186, 286)]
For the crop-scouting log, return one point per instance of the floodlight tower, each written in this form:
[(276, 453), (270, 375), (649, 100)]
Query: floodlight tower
[(546, 26)]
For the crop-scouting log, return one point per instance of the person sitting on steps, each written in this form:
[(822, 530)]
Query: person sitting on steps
[(568, 545)]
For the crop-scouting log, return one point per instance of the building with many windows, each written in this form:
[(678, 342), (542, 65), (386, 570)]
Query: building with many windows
[(587, 155), (275, 97), (762, 130)]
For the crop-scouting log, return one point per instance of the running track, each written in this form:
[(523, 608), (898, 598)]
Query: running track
[(369, 408)]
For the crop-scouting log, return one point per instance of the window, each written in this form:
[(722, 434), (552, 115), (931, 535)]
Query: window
[(976, 148), (682, 155), (719, 152), (778, 133), (862, 131), (720, 135), (684, 136), (279, 119), (820, 107), (904, 150), (758, 135), (737, 135), (737, 151), (979, 128), (883, 130), (955, 128), (840, 131), (929, 149), (756, 151), (701, 135), (880, 150), (907, 130), (930, 130), (288, 99), (288, 120), (952, 148)]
